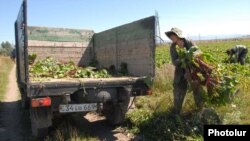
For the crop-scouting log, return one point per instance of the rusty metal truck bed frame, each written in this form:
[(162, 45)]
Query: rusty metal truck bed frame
[(55, 87)]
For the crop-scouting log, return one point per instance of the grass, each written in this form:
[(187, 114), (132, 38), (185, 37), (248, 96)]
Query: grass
[(5, 66), (152, 119), (156, 110), (70, 128)]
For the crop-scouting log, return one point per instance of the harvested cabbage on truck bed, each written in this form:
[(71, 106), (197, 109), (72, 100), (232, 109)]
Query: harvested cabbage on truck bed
[(50, 68)]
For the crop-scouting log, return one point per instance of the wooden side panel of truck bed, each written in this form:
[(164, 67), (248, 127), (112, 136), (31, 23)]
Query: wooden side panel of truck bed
[(133, 44), (62, 44)]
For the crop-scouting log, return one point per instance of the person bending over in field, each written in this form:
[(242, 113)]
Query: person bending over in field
[(182, 76), (237, 54)]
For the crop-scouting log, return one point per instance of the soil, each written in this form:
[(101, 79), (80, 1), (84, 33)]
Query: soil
[(105, 132)]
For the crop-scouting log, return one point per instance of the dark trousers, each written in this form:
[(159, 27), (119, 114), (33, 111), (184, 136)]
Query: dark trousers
[(242, 56), (180, 90)]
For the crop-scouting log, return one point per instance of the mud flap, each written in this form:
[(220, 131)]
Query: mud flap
[(41, 120)]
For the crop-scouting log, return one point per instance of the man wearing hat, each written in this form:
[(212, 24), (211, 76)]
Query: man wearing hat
[(239, 52), (181, 76)]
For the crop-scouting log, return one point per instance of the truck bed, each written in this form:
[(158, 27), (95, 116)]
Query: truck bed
[(86, 81), (68, 85)]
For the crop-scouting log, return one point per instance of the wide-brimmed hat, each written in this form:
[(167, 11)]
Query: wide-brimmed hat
[(175, 31)]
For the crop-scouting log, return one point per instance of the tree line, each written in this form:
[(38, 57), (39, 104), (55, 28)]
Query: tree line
[(6, 48)]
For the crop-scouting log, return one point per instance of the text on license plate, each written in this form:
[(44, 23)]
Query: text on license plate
[(77, 107)]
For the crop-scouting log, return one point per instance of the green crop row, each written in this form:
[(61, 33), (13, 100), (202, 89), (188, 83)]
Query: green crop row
[(216, 48)]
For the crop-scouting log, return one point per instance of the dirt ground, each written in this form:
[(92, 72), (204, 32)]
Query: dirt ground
[(10, 117), (14, 127), (103, 131)]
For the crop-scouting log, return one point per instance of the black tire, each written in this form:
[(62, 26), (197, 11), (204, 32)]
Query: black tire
[(115, 115), (115, 111)]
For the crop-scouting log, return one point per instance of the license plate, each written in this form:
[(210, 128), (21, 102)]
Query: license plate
[(77, 107)]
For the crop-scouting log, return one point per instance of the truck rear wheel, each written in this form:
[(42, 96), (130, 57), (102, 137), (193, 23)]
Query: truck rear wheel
[(41, 120), (115, 111)]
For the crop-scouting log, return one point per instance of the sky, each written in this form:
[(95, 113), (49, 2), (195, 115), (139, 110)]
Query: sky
[(194, 17)]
